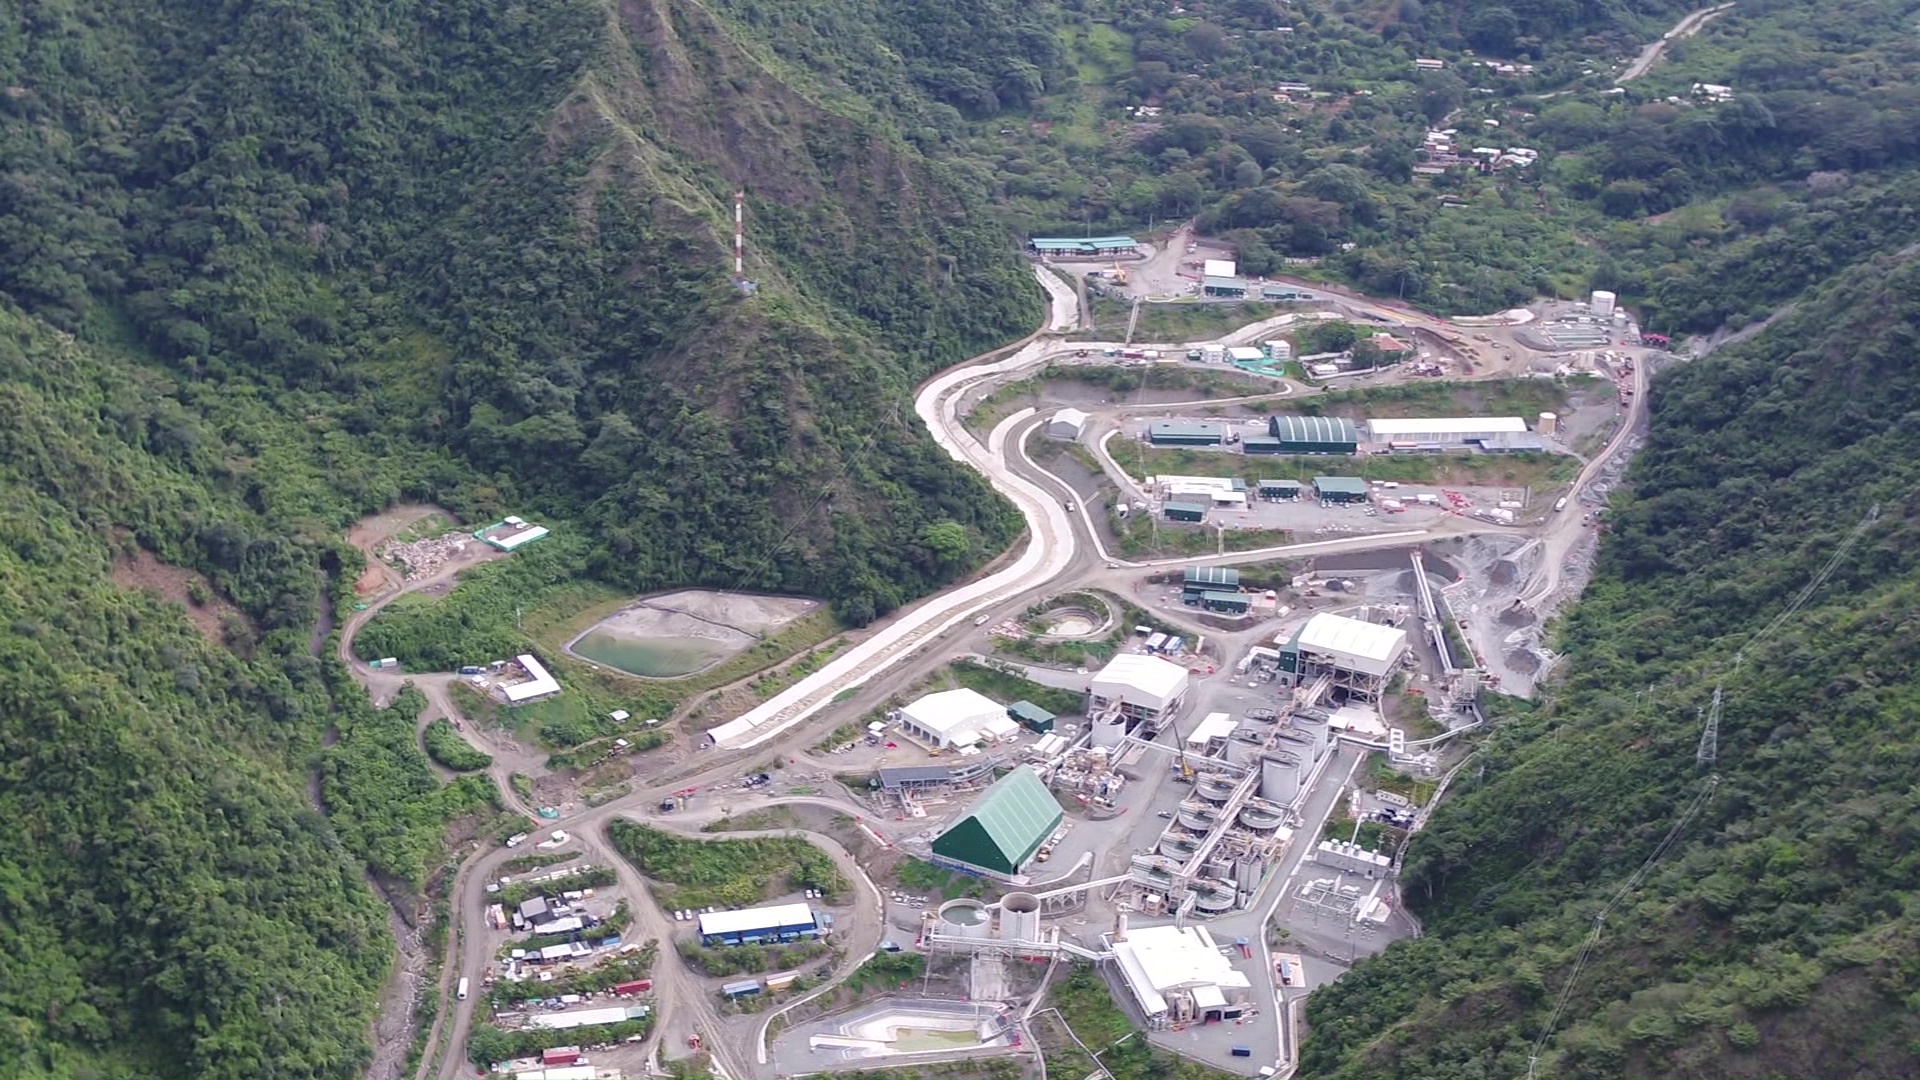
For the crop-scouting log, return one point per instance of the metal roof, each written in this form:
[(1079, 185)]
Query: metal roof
[(1213, 597), (1345, 485), (1213, 282), (1404, 428), (1176, 428), (1213, 575), (1028, 711), (1314, 429), (1363, 646), (1141, 680), (1004, 826), (1187, 507), (1279, 485), (1077, 241), (953, 713), (760, 918), (914, 774)]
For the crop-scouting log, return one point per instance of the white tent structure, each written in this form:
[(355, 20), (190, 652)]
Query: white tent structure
[(1067, 424), (956, 719)]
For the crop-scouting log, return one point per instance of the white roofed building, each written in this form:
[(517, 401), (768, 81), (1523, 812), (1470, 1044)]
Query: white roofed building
[(1220, 268), (1067, 424), (540, 684), (1144, 687), (1359, 656), (1444, 430), (956, 720), (1180, 975)]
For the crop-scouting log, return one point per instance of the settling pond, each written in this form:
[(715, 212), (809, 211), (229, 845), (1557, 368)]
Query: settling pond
[(685, 633)]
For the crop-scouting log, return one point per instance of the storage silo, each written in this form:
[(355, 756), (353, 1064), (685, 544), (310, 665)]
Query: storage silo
[(965, 919), (1549, 423), (1109, 731), (1019, 917), (1280, 778), (1602, 303)]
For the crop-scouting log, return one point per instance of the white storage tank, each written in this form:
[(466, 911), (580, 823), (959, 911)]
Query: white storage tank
[(1107, 736), (1601, 303), (1280, 778), (965, 919), (1019, 917), (1549, 423)]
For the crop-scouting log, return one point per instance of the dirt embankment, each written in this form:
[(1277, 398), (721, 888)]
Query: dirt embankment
[(206, 609)]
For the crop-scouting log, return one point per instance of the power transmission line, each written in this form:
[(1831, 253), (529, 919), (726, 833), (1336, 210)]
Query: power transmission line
[(1705, 755)]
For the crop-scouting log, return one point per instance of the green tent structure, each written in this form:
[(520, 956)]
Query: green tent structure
[(1004, 827)]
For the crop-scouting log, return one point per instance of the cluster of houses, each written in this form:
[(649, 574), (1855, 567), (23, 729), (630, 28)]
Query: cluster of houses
[(1438, 153)]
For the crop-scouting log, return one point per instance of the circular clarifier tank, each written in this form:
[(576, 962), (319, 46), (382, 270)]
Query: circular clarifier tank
[(965, 918)]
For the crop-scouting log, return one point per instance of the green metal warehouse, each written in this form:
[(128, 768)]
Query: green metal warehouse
[(1032, 716), (1231, 602), (1004, 826), (1277, 490), (1184, 511), (1315, 434), (1257, 444), (1201, 579), (1340, 489), (1170, 433)]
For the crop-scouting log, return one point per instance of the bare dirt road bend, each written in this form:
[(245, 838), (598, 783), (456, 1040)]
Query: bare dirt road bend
[(1685, 28)]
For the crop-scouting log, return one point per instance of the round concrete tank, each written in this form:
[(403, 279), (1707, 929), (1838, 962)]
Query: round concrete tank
[(1601, 303), (1549, 423), (1280, 779), (1243, 747), (1214, 897), (1176, 846), (1261, 818), (1214, 787), (1019, 917), (965, 919), (1108, 736), (1199, 818)]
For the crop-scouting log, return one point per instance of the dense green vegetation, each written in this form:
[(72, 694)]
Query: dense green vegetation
[(1777, 936), (446, 747), (733, 873)]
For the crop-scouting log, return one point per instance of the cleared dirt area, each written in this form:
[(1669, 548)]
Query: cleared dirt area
[(685, 632), (375, 529), (144, 572)]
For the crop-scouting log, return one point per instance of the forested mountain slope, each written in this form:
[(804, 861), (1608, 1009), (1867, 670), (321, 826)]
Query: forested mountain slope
[(1778, 937), (267, 266)]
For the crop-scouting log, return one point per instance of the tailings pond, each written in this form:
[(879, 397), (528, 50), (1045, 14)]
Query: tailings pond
[(684, 633)]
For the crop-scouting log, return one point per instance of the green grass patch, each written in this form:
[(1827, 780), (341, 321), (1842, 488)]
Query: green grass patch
[(1007, 687), (731, 873), (886, 971), (772, 817)]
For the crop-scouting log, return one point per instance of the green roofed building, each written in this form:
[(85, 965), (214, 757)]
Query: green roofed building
[(1033, 717), (1184, 511), (1340, 489), (1275, 490), (1004, 827), (1199, 579), (1314, 434), (1173, 433), (1231, 602)]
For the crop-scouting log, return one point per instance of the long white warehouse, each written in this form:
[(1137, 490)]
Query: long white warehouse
[(1444, 429)]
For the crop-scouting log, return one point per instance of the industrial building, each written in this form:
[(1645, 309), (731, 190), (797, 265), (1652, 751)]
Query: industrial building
[(510, 534), (1199, 579), (1356, 656), (1225, 288), (538, 685), (1174, 433), (1067, 424), (1031, 716), (1315, 434), (956, 720), (1340, 489), (1142, 688), (1261, 444), (916, 778), (1178, 975), (1218, 268), (1443, 431), (1089, 247), (616, 1014), (1279, 490), (1191, 512), (754, 926), (1003, 828), (1230, 603)]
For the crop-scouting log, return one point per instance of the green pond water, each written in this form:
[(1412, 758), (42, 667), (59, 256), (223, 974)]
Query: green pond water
[(909, 1040), (650, 658)]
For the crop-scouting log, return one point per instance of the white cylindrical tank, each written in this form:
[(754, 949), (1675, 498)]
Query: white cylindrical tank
[(1019, 917), (1602, 302), (1280, 778), (1108, 736), (965, 919), (1549, 423)]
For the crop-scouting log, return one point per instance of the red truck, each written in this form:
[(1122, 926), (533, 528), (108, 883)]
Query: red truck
[(637, 986)]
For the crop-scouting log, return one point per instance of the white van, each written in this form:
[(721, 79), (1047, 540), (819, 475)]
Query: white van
[(462, 992)]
